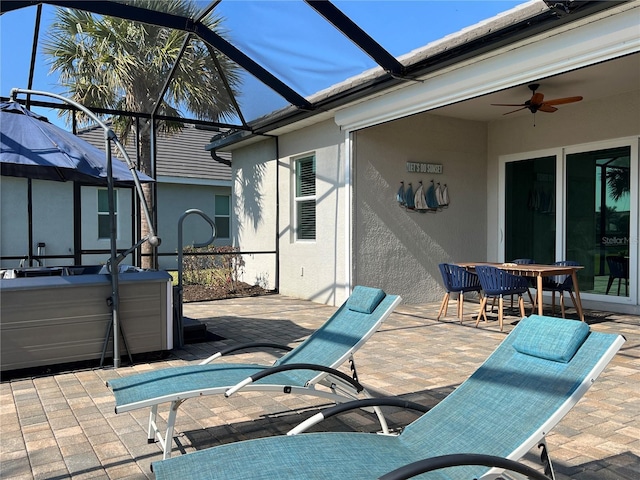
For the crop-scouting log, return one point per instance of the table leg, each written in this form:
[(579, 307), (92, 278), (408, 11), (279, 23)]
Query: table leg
[(576, 290), (539, 293)]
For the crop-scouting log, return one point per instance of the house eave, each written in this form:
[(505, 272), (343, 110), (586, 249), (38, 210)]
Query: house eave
[(500, 32), (166, 179)]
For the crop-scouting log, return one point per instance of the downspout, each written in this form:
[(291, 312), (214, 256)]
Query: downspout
[(348, 226)]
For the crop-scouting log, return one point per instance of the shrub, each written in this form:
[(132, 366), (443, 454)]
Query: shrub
[(212, 266)]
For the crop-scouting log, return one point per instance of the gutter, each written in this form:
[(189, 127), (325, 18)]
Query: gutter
[(558, 13)]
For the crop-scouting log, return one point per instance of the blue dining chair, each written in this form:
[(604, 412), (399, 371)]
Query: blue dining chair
[(497, 283), (531, 281), (560, 284), (524, 261), (458, 280), (618, 268)]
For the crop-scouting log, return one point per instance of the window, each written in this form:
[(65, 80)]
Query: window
[(222, 216), (104, 226), (305, 198)]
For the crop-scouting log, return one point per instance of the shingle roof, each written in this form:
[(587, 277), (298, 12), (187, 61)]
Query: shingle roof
[(179, 155)]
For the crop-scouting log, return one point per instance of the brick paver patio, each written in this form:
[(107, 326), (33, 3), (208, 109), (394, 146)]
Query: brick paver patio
[(63, 425)]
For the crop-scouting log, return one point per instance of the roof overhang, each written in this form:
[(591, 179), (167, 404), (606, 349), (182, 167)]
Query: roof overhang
[(518, 25), (570, 49)]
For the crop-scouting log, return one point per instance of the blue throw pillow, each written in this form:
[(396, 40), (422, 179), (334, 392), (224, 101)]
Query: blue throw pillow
[(365, 299), (550, 338)]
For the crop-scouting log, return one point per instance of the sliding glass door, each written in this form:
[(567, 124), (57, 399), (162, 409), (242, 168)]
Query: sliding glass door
[(577, 203), (598, 192), (530, 209)]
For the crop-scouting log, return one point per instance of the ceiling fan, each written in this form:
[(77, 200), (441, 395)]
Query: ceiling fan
[(537, 102)]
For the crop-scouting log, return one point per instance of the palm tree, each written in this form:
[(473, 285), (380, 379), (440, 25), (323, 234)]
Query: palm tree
[(118, 64)]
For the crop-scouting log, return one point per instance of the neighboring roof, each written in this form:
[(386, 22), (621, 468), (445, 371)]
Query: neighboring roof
[(183, 155), (180, 155)]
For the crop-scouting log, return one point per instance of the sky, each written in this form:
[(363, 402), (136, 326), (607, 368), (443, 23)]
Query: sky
[(286, 37)]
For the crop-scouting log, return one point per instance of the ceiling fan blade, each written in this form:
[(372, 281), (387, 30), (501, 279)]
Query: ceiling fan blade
[(514, 111), (537, 99), (545, 107), (508, 104), (562, 101)]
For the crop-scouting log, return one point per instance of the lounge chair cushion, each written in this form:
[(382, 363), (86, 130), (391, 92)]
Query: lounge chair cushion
[(545, 337), (365, 299)]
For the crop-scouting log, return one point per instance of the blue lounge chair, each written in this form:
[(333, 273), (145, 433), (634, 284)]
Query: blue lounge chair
[(506, 408), (299, 371)]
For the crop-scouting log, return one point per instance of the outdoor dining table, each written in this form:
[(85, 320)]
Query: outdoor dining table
[(538, 271)]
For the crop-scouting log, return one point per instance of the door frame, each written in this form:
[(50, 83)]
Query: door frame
[(560, 241)]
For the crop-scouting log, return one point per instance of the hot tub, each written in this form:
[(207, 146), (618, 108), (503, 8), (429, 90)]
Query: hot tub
[(62, 316)]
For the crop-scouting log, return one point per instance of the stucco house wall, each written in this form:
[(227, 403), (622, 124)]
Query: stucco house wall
[(444, 117), (174, 199), (312, 270), (253, 206), (316, 270), (53, 212), (393, 248), (14, 237), (400, 249), (89, 222)]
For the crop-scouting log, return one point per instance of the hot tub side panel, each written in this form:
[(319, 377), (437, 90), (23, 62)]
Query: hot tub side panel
[(54, 320)]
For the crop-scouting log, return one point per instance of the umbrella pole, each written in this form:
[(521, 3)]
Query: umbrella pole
[(113, 262)]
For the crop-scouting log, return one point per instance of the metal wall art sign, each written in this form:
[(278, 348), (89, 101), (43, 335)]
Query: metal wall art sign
[(417, 167)]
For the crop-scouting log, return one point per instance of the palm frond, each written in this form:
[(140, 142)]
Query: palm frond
[(110, 62)]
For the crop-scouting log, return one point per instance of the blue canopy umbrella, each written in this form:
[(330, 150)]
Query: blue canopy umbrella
[(32, 147)]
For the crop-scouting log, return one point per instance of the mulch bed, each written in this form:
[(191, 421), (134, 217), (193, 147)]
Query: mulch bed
[(201, 293)]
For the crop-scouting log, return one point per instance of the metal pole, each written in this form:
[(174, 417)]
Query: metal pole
[(178, 307), (113, 262)]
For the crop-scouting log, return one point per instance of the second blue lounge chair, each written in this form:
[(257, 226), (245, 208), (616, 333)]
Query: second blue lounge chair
[(505, 409), (301, 370)]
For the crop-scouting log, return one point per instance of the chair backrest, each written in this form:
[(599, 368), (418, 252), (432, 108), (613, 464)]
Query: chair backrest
[(446, 276), (561, 282), (496, 281), (527, 385), (458, 279), (526, 261), (523, 261), (618, 266), (345, 332)]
